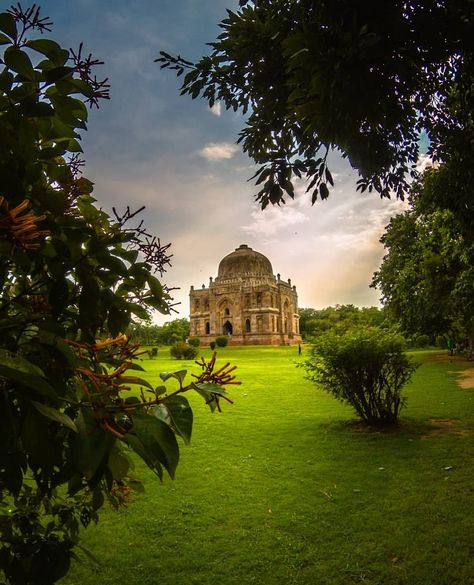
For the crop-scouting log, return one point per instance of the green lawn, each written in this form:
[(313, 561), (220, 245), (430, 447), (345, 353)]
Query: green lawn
[(283, 487)]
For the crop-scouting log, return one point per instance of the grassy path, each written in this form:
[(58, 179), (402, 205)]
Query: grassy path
[(283, 487)]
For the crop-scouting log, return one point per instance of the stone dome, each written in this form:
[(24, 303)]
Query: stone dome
[(244, 262)]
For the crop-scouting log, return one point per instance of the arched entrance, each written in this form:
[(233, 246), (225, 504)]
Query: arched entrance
[(227, 329)]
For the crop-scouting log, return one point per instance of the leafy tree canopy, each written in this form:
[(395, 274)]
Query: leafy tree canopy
[(426, 277), (366, 78), (173, 331), (340, 318), (170, 332)]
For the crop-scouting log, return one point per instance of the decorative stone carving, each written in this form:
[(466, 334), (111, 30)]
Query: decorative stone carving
[(246, 302)]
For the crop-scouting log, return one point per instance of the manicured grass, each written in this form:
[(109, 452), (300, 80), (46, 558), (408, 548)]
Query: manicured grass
[(285, 487)]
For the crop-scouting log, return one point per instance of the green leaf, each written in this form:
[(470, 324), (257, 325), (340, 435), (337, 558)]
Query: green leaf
[(74, 146), (119, 464), (323, 191), (53, 75), (6, 80), (18, 61), (58, 296), (210, 388), (55, 415), (40, 110), (177, 413), (88, 302), (159, 390), (14, 465), (17, 369), (139, 311), (157, 439), (91, 445), (208, 391), (133, 400), (148, 456), (329, 178), (114, 264), (50, 49), (135, 380), (179, 375), (8, 24), (4, 40), (117, 320), (39, 442), (97, 498), (155, 286)]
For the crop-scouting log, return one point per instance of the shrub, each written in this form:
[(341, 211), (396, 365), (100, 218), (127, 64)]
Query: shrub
[(421, 340), (194, 341), (441, 341), (366, 368), (183, 351), (153, 352), (212, 345), (222, 341)]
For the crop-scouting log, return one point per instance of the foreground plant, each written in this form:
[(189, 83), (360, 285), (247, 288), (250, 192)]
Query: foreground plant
[(365, 368), (71, 280)]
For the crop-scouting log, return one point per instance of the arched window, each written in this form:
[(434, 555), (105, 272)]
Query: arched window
[(196, 305), (208, 328), (259, 298), (227, 312), (247, 326), (227, 329)]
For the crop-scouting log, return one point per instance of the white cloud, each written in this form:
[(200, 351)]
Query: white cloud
[(273, 221), (424, 162), (218, 151), (216, 109)]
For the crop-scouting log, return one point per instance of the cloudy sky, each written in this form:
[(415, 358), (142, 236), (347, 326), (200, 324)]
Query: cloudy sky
[(149, 146)]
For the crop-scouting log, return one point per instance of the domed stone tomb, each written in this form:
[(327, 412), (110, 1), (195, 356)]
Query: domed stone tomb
[(246, 302)]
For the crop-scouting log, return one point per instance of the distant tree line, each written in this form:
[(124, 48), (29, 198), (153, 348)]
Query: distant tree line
[(340, 318), (169, 333)]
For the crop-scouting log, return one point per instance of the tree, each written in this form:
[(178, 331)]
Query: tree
[(364, 367), (340, 318), (144, 333), (366, 78), (426, 277), (173, 331), (71, 280)]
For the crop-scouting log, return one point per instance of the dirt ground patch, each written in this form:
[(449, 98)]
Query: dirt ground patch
[(445, 358), (465, 378), (444, 426)]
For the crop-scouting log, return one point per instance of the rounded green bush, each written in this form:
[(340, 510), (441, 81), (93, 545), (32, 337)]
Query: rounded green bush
[(366, 368), (421, 340), (183, 351), (194, 341), (222, 341)]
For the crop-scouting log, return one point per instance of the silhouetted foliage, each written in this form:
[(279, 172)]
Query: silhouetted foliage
[(366, 79)]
